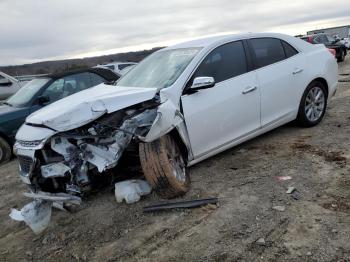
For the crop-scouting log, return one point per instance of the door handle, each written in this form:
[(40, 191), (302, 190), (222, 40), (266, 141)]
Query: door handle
[(297, 71), (249, 89)]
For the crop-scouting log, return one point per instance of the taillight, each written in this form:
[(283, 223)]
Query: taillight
[(309, 39), (332, 51)]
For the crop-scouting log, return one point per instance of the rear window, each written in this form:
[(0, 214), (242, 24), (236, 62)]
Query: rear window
[(267, 51)]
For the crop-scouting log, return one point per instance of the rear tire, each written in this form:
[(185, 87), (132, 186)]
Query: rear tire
[(5, 151), (341, 56), (164, 167), (313, 105)]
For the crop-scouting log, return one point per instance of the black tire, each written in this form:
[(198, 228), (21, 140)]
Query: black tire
[(341, 56), (5, 151), (159, 160), (302, 117)]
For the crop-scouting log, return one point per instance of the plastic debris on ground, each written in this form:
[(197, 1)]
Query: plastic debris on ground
[(36, 215), (284, 178), (290, 190), (131, 190)]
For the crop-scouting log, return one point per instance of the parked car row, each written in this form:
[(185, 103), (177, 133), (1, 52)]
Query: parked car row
[(330, 42)]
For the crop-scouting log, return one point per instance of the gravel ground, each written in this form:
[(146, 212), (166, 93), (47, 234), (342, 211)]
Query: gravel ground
[(243, 227)]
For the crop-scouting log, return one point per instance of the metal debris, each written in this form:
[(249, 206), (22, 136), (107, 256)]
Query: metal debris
[(180, 204)]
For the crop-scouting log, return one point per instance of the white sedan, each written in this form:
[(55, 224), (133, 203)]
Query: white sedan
[(179, 106)]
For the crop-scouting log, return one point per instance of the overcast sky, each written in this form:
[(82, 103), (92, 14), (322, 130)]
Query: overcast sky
[(33, 30)]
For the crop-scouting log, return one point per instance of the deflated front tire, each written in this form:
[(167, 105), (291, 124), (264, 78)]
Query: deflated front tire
[(164, 167)]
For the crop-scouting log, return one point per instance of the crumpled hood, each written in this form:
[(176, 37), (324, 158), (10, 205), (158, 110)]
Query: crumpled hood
[(85, 106)]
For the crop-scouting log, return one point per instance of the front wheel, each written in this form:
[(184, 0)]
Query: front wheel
[(313, 105), (164, 167)]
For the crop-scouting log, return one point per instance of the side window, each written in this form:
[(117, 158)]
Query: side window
[(288, 49), (96, 79), (67, 86), (224, 62), (267, 51), (55, 90), (321, 39), (122, 66)]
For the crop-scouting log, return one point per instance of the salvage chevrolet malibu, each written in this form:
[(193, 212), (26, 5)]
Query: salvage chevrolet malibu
[(179, 106)]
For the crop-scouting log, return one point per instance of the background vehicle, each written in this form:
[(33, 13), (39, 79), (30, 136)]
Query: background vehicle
[(345, 42), (117, 67), (38, 93), (8, 85), (330, 42)]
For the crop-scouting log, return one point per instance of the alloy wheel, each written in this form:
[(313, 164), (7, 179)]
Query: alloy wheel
[(314, 104)]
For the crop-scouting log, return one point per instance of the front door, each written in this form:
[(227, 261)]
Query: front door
[(228, 111)]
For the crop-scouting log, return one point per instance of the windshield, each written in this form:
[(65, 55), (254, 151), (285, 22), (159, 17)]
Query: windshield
[(160, 69), (26, 93)]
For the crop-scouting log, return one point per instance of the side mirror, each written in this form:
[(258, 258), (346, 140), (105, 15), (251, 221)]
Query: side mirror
[(42, 100), (201, 82)]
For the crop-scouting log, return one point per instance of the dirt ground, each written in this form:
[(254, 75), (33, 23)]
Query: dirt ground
[(314, 228)]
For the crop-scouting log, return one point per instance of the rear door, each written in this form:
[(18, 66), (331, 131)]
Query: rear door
[(228, 111), (280, 70)]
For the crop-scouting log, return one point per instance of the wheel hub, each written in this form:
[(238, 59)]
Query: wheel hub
[(314, 104)]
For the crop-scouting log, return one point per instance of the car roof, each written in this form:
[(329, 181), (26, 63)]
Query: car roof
[(213, 40), (107, 74)]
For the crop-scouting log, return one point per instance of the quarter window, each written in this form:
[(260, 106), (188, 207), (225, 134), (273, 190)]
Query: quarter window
[(224, 62), (288, 49), (267, 51)]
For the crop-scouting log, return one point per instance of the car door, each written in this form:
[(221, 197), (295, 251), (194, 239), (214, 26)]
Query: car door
[(231, 109), (279, 70)]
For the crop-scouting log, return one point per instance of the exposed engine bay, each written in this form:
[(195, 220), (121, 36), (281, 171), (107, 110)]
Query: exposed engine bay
[(69, 161)]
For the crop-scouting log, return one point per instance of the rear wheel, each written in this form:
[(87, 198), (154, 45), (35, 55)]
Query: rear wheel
[(164, 167), (5, 151), (341, 56), (312, 105)]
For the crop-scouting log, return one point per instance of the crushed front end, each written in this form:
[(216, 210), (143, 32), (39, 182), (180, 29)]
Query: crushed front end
[(59, 167)]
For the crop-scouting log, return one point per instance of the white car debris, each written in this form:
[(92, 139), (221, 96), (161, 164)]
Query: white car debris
[(131, 190), (176, 108)]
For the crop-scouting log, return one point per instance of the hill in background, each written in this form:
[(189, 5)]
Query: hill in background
[(70, 64)]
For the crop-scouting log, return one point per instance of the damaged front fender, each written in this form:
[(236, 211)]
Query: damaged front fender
[(168, 117)]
